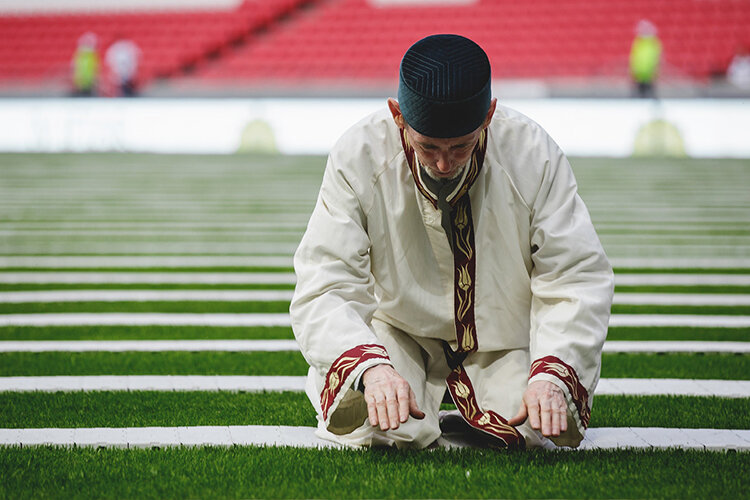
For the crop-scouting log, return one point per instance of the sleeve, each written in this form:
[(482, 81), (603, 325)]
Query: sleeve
[(572, 285), (334, 301)]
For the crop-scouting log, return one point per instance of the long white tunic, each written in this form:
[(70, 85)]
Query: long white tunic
[(375, 248)]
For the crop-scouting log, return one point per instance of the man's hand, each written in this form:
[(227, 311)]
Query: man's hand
[(389, 398), (544, 404)]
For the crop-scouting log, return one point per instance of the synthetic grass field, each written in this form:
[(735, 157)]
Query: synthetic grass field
[(101, 222)]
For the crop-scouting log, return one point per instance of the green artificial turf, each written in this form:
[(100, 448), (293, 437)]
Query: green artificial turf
[(739, 289), (152, 363), (129, 332), (146, 306), (689, 366), (190, 408), (674, 333), (614, 365), (251, 472), (659, 309)]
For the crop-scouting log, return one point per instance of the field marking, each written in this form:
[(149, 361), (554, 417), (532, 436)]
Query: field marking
[(176, 261), (150, 278), (681, 279), (137, 261), (291, 345), (686, 320), (685, 262), (677, 299), (69, 383), (304, 437), (289, 278), (149, 296), (45, 296), (282, 319)]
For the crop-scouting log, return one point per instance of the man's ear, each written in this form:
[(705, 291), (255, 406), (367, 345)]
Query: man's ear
[(490, 112), (396, 112)]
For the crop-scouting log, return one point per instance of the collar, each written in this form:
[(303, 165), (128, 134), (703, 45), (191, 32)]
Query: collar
[(470, 174)]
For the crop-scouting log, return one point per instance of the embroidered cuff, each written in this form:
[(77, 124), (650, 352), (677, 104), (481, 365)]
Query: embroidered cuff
[(550, 365), (343, 368)]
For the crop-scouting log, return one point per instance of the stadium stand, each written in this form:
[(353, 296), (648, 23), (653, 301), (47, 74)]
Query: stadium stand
[(296, 42)]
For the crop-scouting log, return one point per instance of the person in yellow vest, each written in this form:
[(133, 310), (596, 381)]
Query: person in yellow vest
[(645, 57), (85, 66)]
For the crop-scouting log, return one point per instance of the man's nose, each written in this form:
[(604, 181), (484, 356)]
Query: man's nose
[(443, 162)]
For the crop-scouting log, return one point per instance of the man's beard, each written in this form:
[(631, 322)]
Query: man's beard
[(433, 176)]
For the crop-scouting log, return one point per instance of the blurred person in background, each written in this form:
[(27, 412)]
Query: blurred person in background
[(85, 66), (645, 57), (449, 249), (738, 72), (122, 61)]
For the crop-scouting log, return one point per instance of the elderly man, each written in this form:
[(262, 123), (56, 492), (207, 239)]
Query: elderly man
[(448, 249)]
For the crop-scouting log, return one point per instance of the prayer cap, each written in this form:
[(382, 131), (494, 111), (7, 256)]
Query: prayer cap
[(444, 86)]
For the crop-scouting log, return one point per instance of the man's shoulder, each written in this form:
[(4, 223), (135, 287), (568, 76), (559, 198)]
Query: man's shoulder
[(371, 143)]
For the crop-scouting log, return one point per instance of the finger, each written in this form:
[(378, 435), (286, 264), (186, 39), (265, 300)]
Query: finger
[(563, 420), (372, 412), (555, 415), (392, 406), (546, 418), (403, 395), (534, 419), (520, 416), (414, 410), (382, 413)]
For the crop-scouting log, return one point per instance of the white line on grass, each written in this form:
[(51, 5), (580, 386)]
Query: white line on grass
[(148, 296), (150, 278), (619, 387), (282, 319), (677, 263), (137, 261), (304, 437), (289, 278), (291, 345), (698, 299), (682, 279)]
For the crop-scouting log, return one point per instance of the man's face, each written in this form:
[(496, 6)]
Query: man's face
[(443, 158)]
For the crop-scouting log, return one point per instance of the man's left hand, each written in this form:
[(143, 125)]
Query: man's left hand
[(544, 405)]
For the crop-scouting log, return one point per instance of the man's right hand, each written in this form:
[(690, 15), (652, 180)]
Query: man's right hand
[(389, 398)]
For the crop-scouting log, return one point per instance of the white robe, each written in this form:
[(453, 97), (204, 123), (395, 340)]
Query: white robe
[(375, 266)]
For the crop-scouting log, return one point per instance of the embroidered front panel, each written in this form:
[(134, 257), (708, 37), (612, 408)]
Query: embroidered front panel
[(464, 264), (554, 366), (464, 252), (343, 367), (490, 422)]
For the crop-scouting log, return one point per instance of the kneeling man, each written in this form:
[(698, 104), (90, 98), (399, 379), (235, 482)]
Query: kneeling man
[(449, 252)]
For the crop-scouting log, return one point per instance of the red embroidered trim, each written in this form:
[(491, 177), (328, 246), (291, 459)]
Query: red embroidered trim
[(343, 367), (464, 265), (555, 366), (490, 422)]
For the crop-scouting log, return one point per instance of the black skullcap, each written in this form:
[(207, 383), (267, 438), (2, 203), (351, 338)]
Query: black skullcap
[(444, 86)]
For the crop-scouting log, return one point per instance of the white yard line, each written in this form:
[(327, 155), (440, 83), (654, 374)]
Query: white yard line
[(168, 319), (149, 278), (147, 296), (682, 279), (304, 437), (291, 345), (677, 299), (282, 319), (697, 299), (289, 278), (619, 387), (149, 345), (136, 261), (686, 320), (677, 263)]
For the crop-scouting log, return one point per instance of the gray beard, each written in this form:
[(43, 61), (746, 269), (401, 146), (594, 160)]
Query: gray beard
[(432, 176)]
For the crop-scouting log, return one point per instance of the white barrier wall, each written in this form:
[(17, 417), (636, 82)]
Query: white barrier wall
[(700, 128)]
